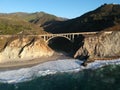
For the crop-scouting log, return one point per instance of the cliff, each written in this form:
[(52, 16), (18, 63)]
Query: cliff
[(20, 48), (100, 46)]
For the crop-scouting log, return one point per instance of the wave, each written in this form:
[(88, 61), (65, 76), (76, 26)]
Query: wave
[(51, 67)]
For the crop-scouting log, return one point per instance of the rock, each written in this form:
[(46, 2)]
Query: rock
[(101, 45), (24, 48), (84, 64)]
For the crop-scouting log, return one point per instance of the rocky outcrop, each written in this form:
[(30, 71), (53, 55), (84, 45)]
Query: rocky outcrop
[(24, 48), (100, 46)]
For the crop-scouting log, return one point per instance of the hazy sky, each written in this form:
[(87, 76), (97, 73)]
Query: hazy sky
[(62, 8)]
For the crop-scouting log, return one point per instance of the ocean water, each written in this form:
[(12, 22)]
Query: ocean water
[(64, 75)]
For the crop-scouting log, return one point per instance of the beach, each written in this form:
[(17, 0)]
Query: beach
[(28, 63)]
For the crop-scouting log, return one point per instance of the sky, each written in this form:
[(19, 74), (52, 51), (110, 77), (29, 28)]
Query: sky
[(62, 8)]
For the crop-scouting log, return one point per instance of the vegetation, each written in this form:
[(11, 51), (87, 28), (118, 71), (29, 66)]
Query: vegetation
[(25, 23), (106, 16), (17, 26)]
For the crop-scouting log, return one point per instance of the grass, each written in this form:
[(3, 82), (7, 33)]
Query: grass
[(15, 26)]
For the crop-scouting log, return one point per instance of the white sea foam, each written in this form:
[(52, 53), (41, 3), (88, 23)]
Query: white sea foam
[(51, 67)]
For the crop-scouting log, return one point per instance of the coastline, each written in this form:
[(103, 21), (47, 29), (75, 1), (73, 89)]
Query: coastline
[(51, 67), (29, 63), (13, 65)]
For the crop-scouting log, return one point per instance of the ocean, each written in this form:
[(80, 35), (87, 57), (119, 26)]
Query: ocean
[(64, 75)]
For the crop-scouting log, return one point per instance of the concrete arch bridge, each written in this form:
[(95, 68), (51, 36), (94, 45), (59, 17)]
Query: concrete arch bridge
[(69, 36)]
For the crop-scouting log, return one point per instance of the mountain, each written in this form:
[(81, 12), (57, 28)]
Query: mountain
[(38, 18), (18, 26), (42, 19), (105, 17), (27, 23)]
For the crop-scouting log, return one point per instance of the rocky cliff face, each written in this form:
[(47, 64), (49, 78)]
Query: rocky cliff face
[(23, 48), (101, 45)]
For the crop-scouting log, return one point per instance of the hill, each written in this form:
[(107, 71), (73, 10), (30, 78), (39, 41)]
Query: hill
[(105, 17), (17, 26), (39, 18), (102, 18), (27, 23)]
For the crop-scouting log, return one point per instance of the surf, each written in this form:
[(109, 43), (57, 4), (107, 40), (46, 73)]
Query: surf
[(51, 67)]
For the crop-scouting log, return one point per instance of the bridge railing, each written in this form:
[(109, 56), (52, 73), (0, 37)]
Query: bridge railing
[(82, 33)]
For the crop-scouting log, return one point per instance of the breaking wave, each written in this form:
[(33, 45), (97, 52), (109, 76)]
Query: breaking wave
[(51, 67)]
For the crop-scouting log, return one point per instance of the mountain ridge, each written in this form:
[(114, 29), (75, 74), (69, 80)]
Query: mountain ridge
[(105, 16), (30, 23)]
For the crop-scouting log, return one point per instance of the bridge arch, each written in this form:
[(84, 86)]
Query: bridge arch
[(58, 37), (60, 43)]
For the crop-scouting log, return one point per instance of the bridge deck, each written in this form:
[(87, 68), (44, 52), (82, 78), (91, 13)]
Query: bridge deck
[(48, 36), (57, 34)]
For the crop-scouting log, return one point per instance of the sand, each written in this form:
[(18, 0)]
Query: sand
[(29, 63)]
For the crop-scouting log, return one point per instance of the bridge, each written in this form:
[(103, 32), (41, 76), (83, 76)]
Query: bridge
[(69, 36)]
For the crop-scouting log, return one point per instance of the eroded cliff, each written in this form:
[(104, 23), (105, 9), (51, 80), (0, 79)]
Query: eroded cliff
[(100, 46), (20, 48)]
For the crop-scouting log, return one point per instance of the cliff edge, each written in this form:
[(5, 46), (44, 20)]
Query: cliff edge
[(20, 48), (101, 46)]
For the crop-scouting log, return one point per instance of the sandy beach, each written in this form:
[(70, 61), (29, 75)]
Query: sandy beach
[(32, 62)]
